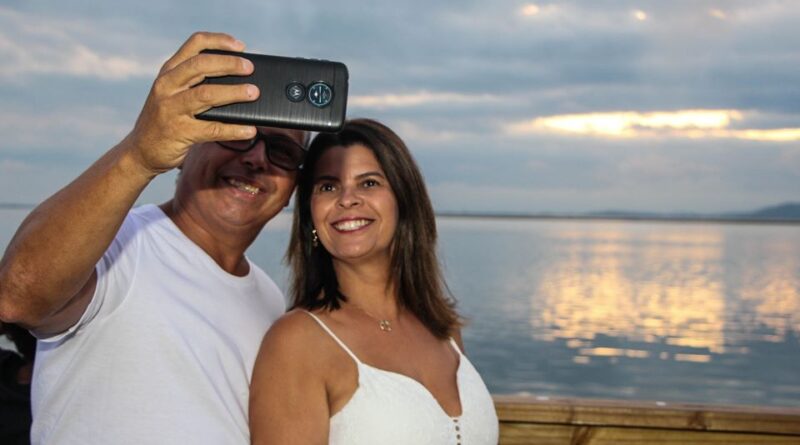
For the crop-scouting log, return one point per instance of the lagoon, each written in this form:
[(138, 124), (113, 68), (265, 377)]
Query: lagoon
[(637, 310)]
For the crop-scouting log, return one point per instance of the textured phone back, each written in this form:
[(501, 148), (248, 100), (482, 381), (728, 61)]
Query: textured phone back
[(281, 81)]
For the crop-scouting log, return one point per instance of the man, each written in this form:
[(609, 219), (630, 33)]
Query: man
[(149, 320)]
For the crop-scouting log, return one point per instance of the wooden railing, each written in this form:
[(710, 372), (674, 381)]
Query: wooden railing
[(528, 420)]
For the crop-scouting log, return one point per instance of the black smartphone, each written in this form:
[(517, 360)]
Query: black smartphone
[(306, 94)]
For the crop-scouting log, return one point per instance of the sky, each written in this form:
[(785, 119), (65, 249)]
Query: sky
[(523, 107)]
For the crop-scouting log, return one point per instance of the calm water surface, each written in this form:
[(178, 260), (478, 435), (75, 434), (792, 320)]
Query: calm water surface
[(675, 312)]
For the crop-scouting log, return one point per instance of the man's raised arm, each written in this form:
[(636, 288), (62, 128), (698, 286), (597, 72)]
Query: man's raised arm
[(47, 273)]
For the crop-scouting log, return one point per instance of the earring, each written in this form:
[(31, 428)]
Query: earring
[(315, 238)]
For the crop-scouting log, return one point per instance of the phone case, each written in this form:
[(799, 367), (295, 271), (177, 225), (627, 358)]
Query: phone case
[(306, 94)]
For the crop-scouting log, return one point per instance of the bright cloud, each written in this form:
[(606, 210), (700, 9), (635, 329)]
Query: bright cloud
[(777, 135), (631, 124)]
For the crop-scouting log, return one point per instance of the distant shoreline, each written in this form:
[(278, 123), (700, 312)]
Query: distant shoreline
[(628, 218), (710, 219)]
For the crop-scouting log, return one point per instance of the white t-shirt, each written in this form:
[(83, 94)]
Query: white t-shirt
[(164, 352)]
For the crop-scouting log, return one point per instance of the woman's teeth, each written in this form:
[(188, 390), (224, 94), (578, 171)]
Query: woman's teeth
[(243, 186), (350, 225)]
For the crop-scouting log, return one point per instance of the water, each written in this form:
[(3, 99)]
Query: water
[(675, 312)]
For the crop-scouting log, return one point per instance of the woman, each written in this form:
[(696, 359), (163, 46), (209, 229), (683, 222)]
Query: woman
[(371, 351)]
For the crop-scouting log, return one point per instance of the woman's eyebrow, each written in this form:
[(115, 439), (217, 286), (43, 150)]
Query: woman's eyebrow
[(371, 173)]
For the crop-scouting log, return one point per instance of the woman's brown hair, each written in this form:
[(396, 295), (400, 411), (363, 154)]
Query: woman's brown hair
[(417, 276)]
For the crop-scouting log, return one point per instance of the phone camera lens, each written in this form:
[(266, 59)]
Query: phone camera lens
[(320, 94)]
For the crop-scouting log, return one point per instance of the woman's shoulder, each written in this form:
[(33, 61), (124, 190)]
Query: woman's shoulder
[(295, 326), (299, 331), (293, 344)]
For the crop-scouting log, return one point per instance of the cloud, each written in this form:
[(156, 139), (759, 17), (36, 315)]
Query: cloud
[(418, 99), (632, 124), (465, 94), (414, 133), (79, 130), (36, 45), (14, 167)]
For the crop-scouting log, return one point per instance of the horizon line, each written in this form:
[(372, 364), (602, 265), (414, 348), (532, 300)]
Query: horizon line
[(607, 215)]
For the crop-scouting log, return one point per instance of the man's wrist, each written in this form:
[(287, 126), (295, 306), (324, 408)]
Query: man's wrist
[(131, 161)]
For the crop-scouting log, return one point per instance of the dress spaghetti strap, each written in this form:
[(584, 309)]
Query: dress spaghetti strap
[(328, 330), (455, 346)]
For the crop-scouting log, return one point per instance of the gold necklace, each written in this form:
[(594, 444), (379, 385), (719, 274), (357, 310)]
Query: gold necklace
[(384, 324)]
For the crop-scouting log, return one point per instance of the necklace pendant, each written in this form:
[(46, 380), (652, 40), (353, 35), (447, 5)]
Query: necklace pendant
[(385, 325)]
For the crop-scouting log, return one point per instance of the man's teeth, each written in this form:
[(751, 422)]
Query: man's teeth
[(243, 186), (353, 224)]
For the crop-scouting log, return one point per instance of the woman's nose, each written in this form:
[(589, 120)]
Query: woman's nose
[(349, 197)]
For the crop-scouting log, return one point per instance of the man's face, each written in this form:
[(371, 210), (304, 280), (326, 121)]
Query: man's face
[(225, 190)]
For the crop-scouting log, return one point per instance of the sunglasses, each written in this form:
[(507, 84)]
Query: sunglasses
[(282, 151)]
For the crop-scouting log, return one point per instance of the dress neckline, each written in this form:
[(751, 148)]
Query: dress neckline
[(402, 377), (419, 385)]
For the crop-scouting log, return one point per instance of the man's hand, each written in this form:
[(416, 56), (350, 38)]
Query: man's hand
[(166, 127)]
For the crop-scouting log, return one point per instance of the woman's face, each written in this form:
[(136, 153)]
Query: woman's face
[(353, 207)]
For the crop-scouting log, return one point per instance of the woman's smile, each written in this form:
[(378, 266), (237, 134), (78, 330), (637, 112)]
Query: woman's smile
[(351, 225)]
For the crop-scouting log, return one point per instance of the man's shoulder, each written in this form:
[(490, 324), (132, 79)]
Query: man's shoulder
[(138, 220), (151, 220), (265, 284), (146, 212), (141, 217), (258, 271)]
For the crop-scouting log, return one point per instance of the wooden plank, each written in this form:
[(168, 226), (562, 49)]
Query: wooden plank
[(740, 419), (526, 434)]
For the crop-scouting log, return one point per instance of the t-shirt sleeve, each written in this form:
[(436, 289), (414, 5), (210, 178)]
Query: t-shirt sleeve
[(115, 273)]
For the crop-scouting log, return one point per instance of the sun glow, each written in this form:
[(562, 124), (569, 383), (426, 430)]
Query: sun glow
[(530, 9), (718, 13)]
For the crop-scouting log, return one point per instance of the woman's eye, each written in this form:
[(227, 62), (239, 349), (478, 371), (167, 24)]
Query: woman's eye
[(326, 187), (370, 183)]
